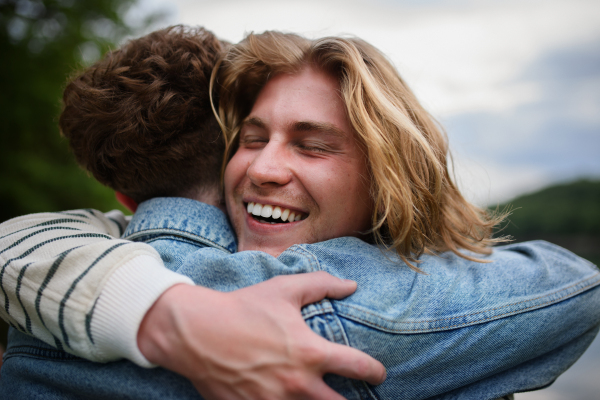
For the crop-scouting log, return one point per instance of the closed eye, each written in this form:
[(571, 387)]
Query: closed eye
[(253, 133), (253, 141), (318, 149), (318, 146)]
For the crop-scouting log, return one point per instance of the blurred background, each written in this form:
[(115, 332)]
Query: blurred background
[(516, 84)]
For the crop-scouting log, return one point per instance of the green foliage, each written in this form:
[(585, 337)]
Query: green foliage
[(568, 209), (567, 215), (42, 43)]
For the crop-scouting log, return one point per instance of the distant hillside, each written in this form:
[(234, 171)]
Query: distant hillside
[(567, 214)]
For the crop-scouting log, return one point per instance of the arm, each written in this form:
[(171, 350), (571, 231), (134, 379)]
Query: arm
[(166, 344), (54, 267)]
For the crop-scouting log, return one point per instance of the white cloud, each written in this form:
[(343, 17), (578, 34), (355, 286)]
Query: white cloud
[(458, 58), (484, 182), (585, 99)]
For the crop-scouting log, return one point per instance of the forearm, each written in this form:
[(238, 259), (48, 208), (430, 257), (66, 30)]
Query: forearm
[(54, 266)]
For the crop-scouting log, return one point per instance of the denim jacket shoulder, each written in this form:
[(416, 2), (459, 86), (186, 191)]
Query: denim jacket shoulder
[(451, 291)]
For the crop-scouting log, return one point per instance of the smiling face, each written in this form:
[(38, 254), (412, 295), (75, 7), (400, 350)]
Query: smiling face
[(297, 158)]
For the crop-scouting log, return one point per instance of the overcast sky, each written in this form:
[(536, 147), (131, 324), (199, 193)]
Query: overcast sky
[(515, 83)]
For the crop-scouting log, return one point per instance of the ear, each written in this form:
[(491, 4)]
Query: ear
[(126, 201)]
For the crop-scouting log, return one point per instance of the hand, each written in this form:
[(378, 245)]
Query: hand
[(252, 343)]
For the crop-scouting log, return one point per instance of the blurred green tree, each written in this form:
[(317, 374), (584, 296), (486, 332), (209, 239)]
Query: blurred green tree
[(565, 209), (566, 214), (42, 43)]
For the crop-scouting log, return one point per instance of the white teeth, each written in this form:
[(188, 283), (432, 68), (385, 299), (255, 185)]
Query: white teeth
[(276, 212), (267, 210)]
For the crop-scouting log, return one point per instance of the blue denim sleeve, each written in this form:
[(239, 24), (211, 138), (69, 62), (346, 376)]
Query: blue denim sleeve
[(460, 329), (465, 330)]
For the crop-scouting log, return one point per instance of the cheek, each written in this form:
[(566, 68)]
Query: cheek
[(235, 171), (360, 203), (340, 192)]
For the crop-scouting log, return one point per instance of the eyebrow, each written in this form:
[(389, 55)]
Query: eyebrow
[(254, 121), (320, 127)]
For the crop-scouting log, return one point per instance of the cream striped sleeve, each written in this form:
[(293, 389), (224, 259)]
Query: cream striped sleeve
[(68, 280)]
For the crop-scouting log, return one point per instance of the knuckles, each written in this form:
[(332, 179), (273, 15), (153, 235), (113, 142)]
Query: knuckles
[(295, 383), (312, 355)]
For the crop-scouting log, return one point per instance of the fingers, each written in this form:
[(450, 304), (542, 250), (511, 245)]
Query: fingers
[(314, 286), (352, 363)]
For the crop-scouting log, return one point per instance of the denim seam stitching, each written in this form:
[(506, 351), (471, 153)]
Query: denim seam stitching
[(353, 317), (341, 328), (323, 306), (183, 234), (320, 310), (498, 308), (38, 352), (362, 386), (176, 238), (312, 259)]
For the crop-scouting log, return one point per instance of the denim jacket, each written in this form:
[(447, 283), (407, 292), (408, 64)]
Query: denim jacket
[(459, 330)]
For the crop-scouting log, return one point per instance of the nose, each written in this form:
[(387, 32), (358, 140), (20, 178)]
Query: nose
[(270, 166)]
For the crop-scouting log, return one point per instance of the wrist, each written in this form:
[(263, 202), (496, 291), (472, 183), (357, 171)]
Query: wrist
[(126, 297), (177, 332), (160, 335), (157, 326)]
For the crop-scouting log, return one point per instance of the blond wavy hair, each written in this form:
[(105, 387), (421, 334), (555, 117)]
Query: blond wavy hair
[(418, 208)]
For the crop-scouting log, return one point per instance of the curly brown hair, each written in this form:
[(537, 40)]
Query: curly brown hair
[(140, 119)]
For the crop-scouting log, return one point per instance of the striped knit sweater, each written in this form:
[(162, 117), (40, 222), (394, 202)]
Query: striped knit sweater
[(64, 278)]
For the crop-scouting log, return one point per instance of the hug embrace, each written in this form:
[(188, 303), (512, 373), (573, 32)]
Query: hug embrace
[(296, 234)]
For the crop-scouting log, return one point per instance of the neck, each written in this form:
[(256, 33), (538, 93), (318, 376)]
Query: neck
[(210, 196)]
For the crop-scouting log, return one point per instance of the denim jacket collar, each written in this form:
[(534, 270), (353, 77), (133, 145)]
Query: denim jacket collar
[(179, 216)]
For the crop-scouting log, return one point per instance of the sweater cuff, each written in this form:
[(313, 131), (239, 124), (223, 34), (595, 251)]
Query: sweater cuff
[(124, 301)]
